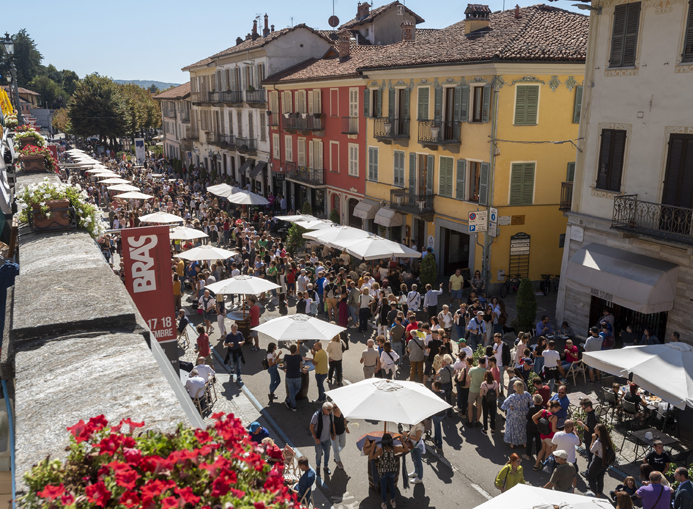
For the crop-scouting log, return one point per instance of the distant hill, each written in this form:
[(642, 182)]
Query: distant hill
[(161, 85)]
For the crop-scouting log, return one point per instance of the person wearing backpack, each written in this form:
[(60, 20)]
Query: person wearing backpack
[(604, 455), (489, 400), (438, 418), (388, 462), (546, 424), (445, 376)]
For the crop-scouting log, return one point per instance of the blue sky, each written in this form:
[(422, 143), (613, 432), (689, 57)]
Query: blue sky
[(153, 39)]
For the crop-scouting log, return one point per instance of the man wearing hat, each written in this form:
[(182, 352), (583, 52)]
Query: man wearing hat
[(563, 477), (462, 347), (257, 432), (477, 330)]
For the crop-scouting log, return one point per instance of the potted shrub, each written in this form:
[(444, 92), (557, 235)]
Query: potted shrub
[(38, 159), (119, 466), (27, 135), (11, 121), (51, 206)]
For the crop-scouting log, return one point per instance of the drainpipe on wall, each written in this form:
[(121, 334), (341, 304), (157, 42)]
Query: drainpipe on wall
[(486, 255)]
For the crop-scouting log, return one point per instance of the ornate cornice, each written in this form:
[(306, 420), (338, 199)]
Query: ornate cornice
[(528, 79)]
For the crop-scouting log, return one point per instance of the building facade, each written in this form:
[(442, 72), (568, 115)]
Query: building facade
[(175, 123), (472, 130), (629, 235)]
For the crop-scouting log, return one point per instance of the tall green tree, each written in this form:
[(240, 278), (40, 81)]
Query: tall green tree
[(52, 94), (98, 108), (526, 306), (69, 81), (27, 59)]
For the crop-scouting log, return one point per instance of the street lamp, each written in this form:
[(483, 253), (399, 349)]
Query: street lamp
[(9, 48)]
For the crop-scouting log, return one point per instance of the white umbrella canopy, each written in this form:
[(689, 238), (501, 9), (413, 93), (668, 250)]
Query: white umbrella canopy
[(387, 400), (185, 233), (161, 217), (664, 370), (223, 190), (242, 285), (524, 496), (123, 187), (205, 253), (317, 224), (297, 217), (376, 248), (247, 198), (299, 327), (113, 180), (336, 234), (134, 195)]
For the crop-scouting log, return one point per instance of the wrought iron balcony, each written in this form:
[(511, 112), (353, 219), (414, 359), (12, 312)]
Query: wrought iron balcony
[(386, 128), (350, 125), (411, 203), (200, 97), (221, 140), (651, 219), (189, 133), (226, 97), (436, 132), (255, 97), (305, 175), (303, 121), (566, 196), (248, 145)]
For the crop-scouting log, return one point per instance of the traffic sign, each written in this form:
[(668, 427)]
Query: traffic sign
[(493, 215), (492, 229)]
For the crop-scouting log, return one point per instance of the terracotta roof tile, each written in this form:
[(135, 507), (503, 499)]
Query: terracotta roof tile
[(179, 92), (377, 12), (22, 90)]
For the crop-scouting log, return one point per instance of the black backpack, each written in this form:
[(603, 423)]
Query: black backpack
[(491, 395), (543, 425)]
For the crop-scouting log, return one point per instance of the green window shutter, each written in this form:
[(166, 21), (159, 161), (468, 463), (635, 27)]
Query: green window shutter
[(406, 103), (445, 174), (422, 112), (398, 168), (366, 101), (487, 103), (412, 174), (483, 184), (461, 178), (521, 105), (532, 105), (516, 184), (380, 102), (528, 184), (464, 104), (526, 105), (438, 105), (430, 171), (391, 103), (578, 104), (373, 164), (570, 176), (458, 103)]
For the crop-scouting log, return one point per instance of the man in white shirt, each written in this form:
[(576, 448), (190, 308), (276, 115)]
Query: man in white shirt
[(567, 440), (195, 384), (413, 299), (431, 299), (205, 371), (462, 346), (552, 363)]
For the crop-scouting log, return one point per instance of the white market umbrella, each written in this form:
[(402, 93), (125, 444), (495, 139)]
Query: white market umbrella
[(185, 233), (317, 224), (223, 190), (376, 248), (299, 327), (242, 285), (161, 217), (336, 234), (387, 400), (664, 370), (113, 180), (524, 496), (123, 187), (247, 198), (297, 217), (134, 195), (205, 253)]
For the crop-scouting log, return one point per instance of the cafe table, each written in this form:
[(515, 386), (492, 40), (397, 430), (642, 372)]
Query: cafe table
[(646, 438)]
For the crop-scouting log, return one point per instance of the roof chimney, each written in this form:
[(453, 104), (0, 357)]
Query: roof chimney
[(248, 36), (266, 30), (272, 28), (238, 41), (362, 10), (255, 34), (517, 12), (343, 44), (407, 31), (478, 16)]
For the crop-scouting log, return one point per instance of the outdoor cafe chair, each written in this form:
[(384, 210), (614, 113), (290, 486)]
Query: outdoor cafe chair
[(576, 368), (183, 339), (610, 402)]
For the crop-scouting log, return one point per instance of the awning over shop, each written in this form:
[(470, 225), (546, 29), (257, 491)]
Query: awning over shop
[(244, 167), (388, 218), (366, 209), (258, 168), (635, 281)]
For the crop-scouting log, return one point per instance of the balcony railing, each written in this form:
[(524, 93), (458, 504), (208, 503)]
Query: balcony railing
[(350, 125), (246, 144), (304, 121), (255, 97), (388, 128), (200, 97), (221, 140), (406, 201), (190, 134), (169, 113), (226, 97), (184, 116), (304, 174), (653, 219), (566, 196), (273, 119), (436, 132)]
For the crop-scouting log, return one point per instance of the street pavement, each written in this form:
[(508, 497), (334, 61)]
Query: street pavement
[(463, 475)]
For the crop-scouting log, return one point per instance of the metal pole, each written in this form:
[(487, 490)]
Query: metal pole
[(20, 118)]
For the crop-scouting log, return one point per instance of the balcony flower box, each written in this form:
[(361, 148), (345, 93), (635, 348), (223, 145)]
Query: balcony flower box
[(38, 159), (27, 135), (33, 162)]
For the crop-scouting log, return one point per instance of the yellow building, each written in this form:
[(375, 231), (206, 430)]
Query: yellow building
[(479, 116)]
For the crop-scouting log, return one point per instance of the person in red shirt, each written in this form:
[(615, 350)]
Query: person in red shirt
[(543, 390), (254, 322), (571, 355), (412, 325), (203, 349)]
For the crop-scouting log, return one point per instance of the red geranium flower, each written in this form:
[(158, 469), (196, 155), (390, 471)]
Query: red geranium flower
[(132, 424), (126, 478), (98, 494), (169, 503), (67, 499), (187, 495), (237, 493), (259, 505), (220, 487), (129, 499), (52, 492)]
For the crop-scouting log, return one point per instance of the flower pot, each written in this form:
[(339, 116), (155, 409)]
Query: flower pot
[(435, 131), (59, 217), (34, 162), (23, 142), (388, 128)]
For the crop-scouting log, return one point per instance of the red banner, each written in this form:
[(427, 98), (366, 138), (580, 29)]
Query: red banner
[(147, 265)]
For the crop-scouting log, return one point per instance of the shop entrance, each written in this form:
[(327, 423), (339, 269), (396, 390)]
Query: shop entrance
[(656, 323), (455, 250)]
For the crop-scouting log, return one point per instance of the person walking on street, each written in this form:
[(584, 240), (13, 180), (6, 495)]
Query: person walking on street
[(335, 351), (655, 495), (603, 456), (564, 476), (455, 287), (683, 499), (431, 300), (254, 322), (438, 418), (533, 436), (233, 342), (388, 361), (511, 474), (397, 336), (353, 305), (477, 375), (292, 367), (477, 330), (207, 303), (319, 360), (273, 358), (387, 467), (341, 428), (370, 360), (416, 349), (365, 300), (414, 299), (322, 429), (489, 402), (588, 426)]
